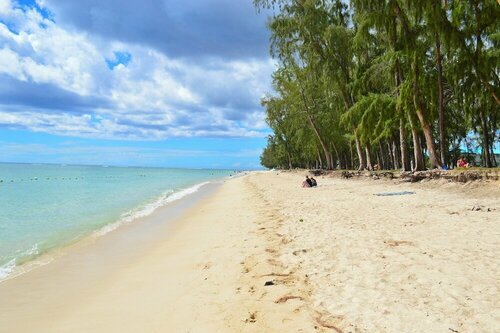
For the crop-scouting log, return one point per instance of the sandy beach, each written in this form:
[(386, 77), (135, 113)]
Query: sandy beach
[(261, 254)]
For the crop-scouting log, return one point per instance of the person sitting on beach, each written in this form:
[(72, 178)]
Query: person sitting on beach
[(462, 162), (313, 182), (307, 182)]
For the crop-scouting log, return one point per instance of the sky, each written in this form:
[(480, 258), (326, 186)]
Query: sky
[(145, 83)]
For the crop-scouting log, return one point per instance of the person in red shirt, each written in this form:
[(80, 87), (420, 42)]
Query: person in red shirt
[(462, 162)]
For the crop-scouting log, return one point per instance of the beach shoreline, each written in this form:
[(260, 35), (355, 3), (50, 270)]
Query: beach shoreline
[(262, 254), (46, 208), (168, 205)]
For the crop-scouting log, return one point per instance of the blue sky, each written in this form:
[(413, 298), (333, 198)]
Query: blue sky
[(154, 83)]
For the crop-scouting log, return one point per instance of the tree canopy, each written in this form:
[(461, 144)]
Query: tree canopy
[(390, 84)]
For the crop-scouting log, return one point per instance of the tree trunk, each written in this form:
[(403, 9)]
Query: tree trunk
[(402, 135), (419, 107), (395, 155), (404, 151), (397, 151), (418, 156), (382, 156), (332, 161), (369, 165), (493, 157), (351, 165), (493, 131), (417, 152), (338, 157), (429, 141), (443, 147), (391, 157), (322, 143), (320, 139), (315, 129), (320, 159), (362, 162), (486, 138)]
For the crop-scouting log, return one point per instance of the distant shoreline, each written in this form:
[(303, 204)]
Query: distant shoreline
[(129, 166)]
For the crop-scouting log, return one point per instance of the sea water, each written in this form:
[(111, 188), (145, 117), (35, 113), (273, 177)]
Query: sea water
[(43, 207)]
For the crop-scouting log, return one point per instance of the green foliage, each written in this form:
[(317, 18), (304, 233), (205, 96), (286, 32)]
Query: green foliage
[(354, 80)]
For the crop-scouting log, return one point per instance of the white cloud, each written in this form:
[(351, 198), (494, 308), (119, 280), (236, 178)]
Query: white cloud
[(146, 84), (5, 7), (10, 63), (44, 53), (152, 97)]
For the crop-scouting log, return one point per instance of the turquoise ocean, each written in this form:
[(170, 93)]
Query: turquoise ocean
[(44, 207)]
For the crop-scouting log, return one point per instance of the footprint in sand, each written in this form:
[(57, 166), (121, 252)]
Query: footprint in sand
[(297, 252), (329, 321), (275, 263), (252, 317), (272, 251), (286, 298)]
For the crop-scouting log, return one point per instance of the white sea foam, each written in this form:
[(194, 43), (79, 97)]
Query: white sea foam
[(7, 269), (165, 198), (33, 251)]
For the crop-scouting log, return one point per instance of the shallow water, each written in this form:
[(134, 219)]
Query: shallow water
[(43, 207)]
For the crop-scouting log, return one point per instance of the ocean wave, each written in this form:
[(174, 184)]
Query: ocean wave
[(143, 211), (8, 268)]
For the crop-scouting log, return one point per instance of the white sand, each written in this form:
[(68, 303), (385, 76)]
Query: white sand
[(414, 263), (340, 258)]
